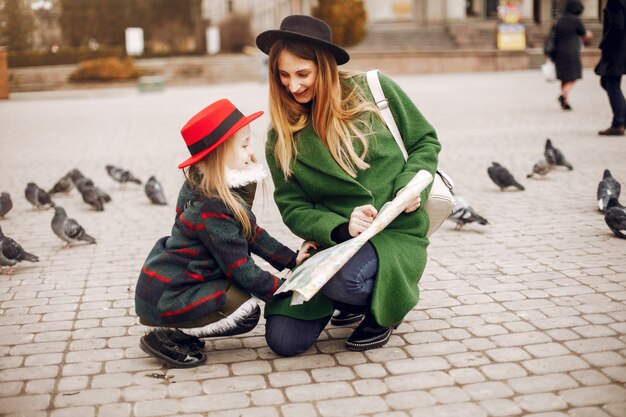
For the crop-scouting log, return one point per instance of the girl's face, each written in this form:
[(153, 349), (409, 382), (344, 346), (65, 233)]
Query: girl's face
[(298, 76), (240, 152)]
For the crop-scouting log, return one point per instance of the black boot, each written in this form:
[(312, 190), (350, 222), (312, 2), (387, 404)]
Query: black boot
[(564, 104), (346, 314), (369, 335), (345, 318)]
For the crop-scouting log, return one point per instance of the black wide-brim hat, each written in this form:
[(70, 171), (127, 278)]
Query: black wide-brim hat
[(303, 28)]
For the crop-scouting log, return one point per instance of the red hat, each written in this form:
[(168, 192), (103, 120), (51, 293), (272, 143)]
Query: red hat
[(210, 127)]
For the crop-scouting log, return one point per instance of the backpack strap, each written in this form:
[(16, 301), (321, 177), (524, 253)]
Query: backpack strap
[(383, 106)]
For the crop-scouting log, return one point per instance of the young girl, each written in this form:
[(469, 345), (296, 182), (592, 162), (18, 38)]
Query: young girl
[(198, 282)]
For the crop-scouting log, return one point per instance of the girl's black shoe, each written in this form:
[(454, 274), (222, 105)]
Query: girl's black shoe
[(158, 344)]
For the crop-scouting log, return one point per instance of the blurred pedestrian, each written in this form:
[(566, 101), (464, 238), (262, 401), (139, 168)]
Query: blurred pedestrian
[(569, 32), (612, 63)]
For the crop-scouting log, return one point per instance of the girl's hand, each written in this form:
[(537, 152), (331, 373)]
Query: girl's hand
[(361, 218), (304, 251), (413, 205)]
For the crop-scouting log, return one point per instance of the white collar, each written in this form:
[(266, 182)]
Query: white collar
[(235, 178)]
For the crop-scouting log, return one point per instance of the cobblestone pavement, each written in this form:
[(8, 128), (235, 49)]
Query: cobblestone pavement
[(525, 316)]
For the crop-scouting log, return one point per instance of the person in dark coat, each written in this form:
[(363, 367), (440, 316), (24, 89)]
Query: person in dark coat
[(612, 63), (568, 33)]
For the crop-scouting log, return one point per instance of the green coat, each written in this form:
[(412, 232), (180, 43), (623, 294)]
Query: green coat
[(319, 196)]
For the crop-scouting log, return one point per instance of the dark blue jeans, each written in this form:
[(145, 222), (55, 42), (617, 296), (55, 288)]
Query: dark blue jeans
[(352, 285), (612, 86)]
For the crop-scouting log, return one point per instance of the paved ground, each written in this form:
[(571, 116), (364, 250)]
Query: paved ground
[(525, 316)]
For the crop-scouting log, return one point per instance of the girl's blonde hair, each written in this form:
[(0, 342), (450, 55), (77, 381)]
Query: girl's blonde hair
[(207, 177), (337, 113)]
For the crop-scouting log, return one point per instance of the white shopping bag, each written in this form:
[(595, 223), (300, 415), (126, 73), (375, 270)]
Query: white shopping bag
[(549, 70)]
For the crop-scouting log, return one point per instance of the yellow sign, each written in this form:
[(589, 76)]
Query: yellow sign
[(511, 37)]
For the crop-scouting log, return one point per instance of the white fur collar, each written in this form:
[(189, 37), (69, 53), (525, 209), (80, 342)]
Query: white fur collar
[(239, 177)]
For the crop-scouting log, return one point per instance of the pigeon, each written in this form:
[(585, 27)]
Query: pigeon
[(91, 197), (64, 185), (68, 229), (121, 175), (615, 218), (548, 152), (37, 196), (502, 177), (541, 167), (11, 253), (555, 157), (463, 213), (5, 203), (82, 183), (608, 187), (154, 191)]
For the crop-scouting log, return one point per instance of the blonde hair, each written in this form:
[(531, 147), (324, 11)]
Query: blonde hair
[(337, 112), (207, 177)]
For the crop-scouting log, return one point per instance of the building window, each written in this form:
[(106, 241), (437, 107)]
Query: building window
[(557, 7), (491, 9)]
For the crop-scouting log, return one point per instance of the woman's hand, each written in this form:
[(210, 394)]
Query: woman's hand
[(304, 251), (413, 205), (361, 218)]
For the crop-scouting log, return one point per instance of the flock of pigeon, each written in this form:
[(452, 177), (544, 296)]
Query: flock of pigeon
[(66, 228), (71, 232), (608, 191)]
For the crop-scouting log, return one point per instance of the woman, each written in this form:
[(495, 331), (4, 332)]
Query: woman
[(568, 33), (334, 164)]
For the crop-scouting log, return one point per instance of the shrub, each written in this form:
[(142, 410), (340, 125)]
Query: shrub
[(347, 19), (105, 69), (235, 33), (64, 56)]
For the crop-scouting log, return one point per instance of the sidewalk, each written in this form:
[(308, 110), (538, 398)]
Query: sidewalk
[(523, 317)]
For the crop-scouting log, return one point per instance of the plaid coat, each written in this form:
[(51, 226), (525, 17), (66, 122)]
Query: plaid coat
[(186, 275)]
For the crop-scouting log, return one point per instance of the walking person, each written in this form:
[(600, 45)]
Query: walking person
[(569, 32), (199, 281), (613, 63), (334, 164)]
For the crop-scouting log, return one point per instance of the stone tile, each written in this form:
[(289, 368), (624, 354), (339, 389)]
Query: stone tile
[(267, 397), (432, 363), (351, 406), (488, 390), (540, 403), (234, 384), (502, 371), (319, 391), (409, 400), (500, 407), (595, 395), (415, 381), (464, 409), (565, 363), (289, 378), (369, 387)]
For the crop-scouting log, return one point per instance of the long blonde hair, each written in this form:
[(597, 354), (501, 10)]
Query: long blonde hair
[(207, 177), (337, 113)]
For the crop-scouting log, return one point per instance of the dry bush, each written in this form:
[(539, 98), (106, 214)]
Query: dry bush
[(105, 69), (347, 19)]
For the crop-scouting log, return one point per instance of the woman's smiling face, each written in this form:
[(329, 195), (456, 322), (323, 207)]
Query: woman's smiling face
[(298, 76)]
